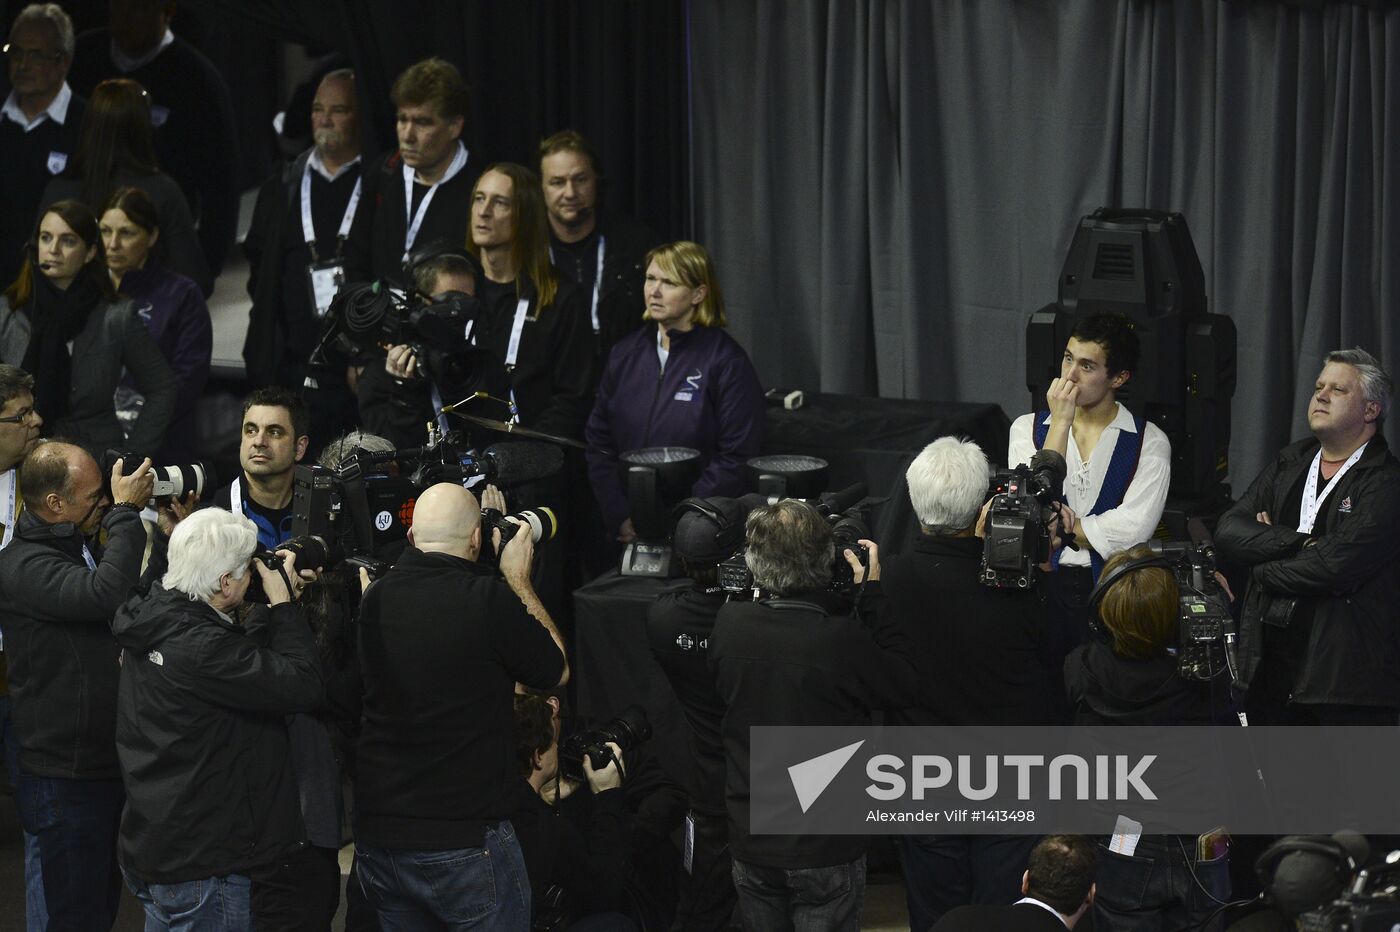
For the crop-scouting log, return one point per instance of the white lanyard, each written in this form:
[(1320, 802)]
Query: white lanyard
[(415, 220), (308, 228), (8, 505), (522, 309), (597, 282), (87, 557), (1312, 501), (235, 497)]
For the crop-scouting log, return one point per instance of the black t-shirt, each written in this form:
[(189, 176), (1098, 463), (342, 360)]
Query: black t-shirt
[(578, 262), (442, 642), (274, 524), (678, 629)]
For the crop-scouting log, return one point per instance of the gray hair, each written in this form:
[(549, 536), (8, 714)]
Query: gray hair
[(789, 548), (1375, 384), (948, 484), (52, 14), (335, 452), (205, 546)]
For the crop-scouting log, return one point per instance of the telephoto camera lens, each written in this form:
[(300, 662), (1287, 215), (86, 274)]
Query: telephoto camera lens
[(179, 481)]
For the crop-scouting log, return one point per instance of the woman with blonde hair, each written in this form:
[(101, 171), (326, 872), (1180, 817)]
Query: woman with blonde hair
[(686, 382)]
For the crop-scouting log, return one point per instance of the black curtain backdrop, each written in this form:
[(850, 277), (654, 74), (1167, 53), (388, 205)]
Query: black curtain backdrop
[(612, 69), (890, 188)]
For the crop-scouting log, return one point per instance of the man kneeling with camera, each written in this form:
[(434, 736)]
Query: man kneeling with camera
[(201, 734)]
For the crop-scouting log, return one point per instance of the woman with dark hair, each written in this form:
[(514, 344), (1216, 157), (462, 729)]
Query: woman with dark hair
[(686, 383), (62, 311), (115, 150), (169, 303)]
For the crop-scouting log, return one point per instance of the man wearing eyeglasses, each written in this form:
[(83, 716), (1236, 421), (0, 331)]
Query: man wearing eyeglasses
[(38, 124), (19, 434)]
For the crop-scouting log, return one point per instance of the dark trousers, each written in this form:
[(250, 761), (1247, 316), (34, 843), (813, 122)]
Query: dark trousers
[(813, 899), (1161, 887), (1065, 593), (707, 897), (298, 893), (945, 871), (75, 822)]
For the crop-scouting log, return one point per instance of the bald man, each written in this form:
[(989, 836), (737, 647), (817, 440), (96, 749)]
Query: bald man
[(443, 640), (58, 593)]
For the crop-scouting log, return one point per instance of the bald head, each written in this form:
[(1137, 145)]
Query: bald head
[(62, 482), (447, 519)]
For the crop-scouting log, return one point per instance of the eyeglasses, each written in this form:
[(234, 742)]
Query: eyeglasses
[(20, 418), (29, 56)]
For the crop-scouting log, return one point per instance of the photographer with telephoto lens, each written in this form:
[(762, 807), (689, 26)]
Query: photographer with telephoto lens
[(201, 731)]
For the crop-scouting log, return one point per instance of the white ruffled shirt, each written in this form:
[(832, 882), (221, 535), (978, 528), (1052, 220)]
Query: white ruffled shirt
[(1136, 518)]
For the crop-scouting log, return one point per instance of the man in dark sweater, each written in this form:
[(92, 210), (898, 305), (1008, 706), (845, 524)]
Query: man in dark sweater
[(442, 643), (191, 111), (58, 593), (38, 125), (420, 194), (799, 656), (982, 660), (602, 252), (296, 257)]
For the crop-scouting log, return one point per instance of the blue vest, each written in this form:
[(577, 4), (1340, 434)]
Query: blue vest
[(1121, 469)]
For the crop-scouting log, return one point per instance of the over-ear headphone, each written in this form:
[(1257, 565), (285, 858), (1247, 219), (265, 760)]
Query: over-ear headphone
[(1110, 578), (1319, 879), (728, 534), (438, 249)]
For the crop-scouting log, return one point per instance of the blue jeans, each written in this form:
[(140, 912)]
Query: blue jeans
[(945, 871), (465, 888), (75, 822), (36, 917), (1160, 888), (214, 904), (813, 899)]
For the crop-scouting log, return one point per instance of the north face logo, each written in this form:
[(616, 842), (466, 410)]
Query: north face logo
[(156, 658), (811, 777)]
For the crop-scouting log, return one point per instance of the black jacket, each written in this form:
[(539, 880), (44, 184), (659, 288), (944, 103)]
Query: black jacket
[(800, 661), (202, 735), (58, 641), (589, 863), (620, 303), (1105, 689), (979, 651), (1349, 580)]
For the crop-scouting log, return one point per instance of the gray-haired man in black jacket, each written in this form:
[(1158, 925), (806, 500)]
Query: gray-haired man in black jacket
[(1319, 639)]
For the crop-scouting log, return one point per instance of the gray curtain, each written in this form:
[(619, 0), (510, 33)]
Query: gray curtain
[(889, 189)]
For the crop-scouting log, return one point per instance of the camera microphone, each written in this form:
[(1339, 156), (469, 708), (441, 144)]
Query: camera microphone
[(839, 502), (523, 461)]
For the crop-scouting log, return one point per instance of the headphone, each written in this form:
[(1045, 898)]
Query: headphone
[(439, 249), (728, 534), (1338, 859), (1110, 579)]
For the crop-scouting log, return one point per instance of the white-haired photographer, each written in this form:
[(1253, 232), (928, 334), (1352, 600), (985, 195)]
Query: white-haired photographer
[(201, 723), (982, 659)]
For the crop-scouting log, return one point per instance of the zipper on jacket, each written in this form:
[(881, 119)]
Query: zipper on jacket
[(655, 399)]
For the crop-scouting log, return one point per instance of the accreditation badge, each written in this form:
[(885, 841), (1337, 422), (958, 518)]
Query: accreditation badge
[(323, 280)]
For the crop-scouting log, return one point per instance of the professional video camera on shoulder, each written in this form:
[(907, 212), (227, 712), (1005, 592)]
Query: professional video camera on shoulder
[(1329, 884), (361, 510), (846, 515), (1024, 502)]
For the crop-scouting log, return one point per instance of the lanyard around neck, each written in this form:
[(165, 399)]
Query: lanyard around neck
[(415, 219)]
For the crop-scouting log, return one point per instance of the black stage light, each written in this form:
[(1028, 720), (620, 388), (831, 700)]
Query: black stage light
[(787, 475), (658, 478)]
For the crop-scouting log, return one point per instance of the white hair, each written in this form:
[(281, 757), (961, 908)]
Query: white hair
[(948, 484), (52, 14), (205, 546)]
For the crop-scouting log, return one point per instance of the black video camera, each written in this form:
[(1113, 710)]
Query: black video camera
[(1372, 904), (1206, 627), (1023, 506), (364, 317), (627, 730), (842, 510)]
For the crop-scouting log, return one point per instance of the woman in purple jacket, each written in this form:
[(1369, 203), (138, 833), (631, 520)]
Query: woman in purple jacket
[(687, 383), (171, 305)]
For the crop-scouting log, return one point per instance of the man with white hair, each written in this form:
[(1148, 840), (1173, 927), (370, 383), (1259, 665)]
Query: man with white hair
[(443, 641), (982, 660), (1319, 641), (201, 724)]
